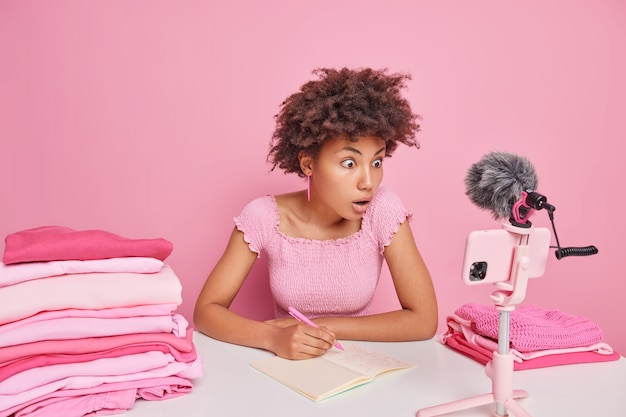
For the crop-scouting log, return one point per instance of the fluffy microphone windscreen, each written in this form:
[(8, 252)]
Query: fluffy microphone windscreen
[(496, 182)]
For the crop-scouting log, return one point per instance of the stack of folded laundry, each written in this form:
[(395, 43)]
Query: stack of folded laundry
[(538, 338), (88, 324)]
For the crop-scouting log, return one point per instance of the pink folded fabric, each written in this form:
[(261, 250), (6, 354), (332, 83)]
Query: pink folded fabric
[(95, 345), (458, 325), (533, 328), (149, 389), (16, 273), (182, 349), (462, 336), (103, 403), (56, 243), (460, 344), (9, 369), (10, 402), (105, 367), (109, 313), (92, 291), (81, 327), (482, 355)]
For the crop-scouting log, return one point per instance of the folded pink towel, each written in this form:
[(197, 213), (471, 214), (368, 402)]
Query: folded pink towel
[(533, 328), (59, 243)]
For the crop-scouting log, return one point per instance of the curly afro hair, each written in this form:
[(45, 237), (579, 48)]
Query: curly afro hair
[(344, 102)]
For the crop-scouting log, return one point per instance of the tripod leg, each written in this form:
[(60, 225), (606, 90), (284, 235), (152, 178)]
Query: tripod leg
[(455, 406), (516, 409)]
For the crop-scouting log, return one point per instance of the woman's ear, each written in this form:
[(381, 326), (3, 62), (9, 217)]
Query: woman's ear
[(306, 163)]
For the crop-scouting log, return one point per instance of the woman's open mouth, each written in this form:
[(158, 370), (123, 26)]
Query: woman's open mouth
[(360, 206)]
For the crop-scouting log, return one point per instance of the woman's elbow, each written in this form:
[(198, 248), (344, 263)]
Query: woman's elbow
[(200, 317), (427, 323), (430, 328)]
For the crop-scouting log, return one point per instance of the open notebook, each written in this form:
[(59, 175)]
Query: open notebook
[(332, 373)]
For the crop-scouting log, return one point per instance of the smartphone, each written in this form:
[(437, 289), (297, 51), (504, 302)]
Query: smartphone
[(489, 254)]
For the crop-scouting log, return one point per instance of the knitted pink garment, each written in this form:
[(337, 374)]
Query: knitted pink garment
[(533, 328), (322, 278), (58, 243)]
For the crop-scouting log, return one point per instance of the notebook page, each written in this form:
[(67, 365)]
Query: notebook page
[(364, 360)]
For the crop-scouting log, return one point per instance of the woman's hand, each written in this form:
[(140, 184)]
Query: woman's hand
[(295, 340)]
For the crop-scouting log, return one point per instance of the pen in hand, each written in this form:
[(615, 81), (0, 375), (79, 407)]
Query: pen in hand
[(301, 317)]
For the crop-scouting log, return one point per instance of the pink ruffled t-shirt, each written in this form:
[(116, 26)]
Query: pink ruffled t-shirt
[(323, 277)]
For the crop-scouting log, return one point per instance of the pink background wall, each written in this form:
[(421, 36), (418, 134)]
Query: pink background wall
[(152, 119)]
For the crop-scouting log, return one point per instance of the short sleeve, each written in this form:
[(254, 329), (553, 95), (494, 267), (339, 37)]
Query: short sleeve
[(257, 221), (385, 215)]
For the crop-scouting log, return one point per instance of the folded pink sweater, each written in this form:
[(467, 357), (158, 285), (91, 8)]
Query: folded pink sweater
[(483, 355), (59, 243), (533, 328)]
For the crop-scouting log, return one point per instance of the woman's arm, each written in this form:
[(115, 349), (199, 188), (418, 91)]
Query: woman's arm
[(418, 317), (213, 317)]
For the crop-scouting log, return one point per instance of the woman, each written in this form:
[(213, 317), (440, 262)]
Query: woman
[(326, 245)]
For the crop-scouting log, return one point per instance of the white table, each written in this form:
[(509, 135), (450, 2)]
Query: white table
[(231, 387)]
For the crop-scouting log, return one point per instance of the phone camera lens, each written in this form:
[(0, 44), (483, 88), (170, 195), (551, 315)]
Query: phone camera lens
[(478, 271)]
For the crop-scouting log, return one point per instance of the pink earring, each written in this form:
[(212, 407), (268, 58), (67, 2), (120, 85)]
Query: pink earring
[(308, 188)]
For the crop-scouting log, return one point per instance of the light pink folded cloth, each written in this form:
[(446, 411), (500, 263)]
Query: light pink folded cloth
[(122, 365), (457, 325), (91, 291), (183, 350), (93, 345), (533, 328), (482, 355), (115, 397), (99, 404), (100, 376), (16, 273), (79, 327), (116, 312), (59, 243), (461, 337)]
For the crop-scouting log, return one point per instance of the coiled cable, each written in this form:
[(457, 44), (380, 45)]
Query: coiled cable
[(571, 251)]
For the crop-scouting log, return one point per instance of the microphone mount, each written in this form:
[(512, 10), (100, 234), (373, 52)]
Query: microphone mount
[(528, 203)]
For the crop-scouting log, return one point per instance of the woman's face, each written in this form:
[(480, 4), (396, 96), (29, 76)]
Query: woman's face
[(347, 174)]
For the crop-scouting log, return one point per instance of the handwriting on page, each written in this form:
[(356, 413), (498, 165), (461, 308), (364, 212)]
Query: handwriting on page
[(365, 360)]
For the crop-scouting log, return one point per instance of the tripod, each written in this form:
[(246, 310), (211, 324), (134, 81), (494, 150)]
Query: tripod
[(500, 369)]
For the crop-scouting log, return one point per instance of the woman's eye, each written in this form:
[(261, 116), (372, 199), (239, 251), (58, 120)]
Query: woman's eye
[(348, 163), (378, 163)]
